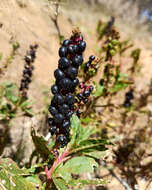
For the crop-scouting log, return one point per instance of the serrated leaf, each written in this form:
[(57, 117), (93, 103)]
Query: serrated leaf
[(78, 165), (91, 145), (84, 134), (78, 132), (60, 184), (41, 145), (11, 177), (35, 180)]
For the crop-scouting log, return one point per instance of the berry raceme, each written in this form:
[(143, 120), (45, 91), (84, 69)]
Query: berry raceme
[(83, 96), (63, 106), (88, 64), (28, 68)]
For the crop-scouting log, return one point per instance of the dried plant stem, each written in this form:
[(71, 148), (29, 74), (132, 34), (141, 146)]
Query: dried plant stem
[(55, 19)]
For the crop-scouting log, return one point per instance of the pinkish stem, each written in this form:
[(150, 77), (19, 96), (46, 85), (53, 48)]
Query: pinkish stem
[(58, 161)]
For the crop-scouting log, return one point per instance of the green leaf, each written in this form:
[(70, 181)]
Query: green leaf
[(25, 104), (95, 154), (75, 129), (60, 184), (86, 120), (78, 165), (99, 90), (11, 177), (41, 145), (83, 182), (118, 86), (91, 145), (29, 112), (85, 133), (11, 92), (78, 132)]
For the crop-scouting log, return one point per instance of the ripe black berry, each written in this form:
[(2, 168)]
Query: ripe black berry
[(53, 110), (72, 72), (57, 100), (65, 84), (75, 48), (85, 100), (66, 42), (70, 99), (59, 74), (92, 57), (91, 88), (71, 49), (64, 109), (82, 46), (86, 93), (129, 95), (77, 60), (61, 139), (80, 96), (58, 118), (54, 89), (64, 63), (75, 82), (86, 67), (63, 51)]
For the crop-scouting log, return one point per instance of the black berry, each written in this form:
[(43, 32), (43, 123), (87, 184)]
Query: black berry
[(54, 89), (59, 74), (58, 118), (63, 51), (64, 63)]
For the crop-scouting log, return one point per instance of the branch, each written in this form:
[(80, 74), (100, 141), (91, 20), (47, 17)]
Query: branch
[(122, 181)]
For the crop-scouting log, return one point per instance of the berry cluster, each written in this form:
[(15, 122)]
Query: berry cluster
[(83, 95), (88, 64), (63, 105), (28, 68), (128, 98)]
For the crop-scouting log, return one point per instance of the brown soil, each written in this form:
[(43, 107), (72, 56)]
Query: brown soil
[(32, 23)]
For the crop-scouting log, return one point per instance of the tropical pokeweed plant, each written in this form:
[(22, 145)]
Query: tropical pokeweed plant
[(72, 149), (13, 99)]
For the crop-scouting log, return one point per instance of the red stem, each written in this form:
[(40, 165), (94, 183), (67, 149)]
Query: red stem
[(58, 161)]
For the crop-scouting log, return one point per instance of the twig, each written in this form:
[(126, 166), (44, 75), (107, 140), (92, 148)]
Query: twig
[(106, 105), (122, 181), (55, 19), (148, 184)]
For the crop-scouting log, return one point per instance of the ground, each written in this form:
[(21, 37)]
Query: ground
[(30, 21)]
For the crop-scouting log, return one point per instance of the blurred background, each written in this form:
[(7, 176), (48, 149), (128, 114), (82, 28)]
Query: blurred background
[(45, 22)]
